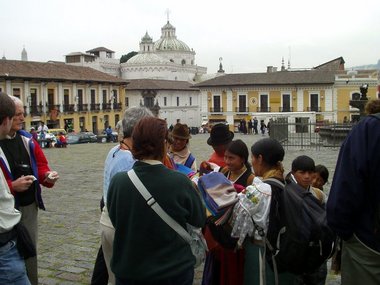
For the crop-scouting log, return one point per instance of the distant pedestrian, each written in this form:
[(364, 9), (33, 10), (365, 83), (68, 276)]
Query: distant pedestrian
[(262, 127), (34, 133), (255, 124), (109, 134), (42, 130), (250, 126)]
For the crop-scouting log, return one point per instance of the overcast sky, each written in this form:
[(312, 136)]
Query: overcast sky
[(248, 34)]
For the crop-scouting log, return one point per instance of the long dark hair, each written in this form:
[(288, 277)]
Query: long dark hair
[(239, 148)]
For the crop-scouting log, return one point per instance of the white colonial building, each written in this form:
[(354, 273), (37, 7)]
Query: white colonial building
[(167, 59)]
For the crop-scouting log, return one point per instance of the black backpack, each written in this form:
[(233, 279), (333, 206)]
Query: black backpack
[(298, 239)]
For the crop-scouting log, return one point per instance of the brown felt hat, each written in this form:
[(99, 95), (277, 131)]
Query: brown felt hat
[(220, 134), (181, 131)]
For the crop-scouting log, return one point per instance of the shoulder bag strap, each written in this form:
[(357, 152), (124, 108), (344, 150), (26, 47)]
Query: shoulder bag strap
[(156, 207), (189, 161)]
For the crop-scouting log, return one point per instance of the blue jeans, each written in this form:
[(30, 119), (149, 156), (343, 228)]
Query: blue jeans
[(185, 278), (12, 266)]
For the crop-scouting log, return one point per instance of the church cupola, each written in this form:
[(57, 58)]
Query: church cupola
[(146, 44)]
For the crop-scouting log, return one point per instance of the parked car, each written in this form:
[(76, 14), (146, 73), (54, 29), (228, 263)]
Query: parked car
[(56, 131), (85, 137)]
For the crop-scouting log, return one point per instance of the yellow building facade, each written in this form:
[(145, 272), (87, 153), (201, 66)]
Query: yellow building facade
[(317, 95), (62, 96)]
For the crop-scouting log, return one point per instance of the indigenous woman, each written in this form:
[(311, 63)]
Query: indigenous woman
[(179, 149), (267, 156), (237, 169), (225, 263)]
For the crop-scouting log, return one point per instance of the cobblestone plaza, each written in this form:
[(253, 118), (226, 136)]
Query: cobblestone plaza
[(69, 235)]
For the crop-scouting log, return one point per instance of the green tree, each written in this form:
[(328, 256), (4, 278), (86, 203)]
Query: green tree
[(126, 57)]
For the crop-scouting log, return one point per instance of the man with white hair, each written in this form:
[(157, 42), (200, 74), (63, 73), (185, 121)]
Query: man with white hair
[(28, 169), (118, 159), (12, 266)]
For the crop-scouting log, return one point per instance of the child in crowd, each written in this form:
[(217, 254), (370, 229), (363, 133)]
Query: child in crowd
[(304, 174)]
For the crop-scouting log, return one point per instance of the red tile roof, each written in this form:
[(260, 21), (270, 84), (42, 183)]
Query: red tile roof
[(53, 71)]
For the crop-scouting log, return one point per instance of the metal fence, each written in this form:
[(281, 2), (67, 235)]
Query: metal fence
[(306, 135)]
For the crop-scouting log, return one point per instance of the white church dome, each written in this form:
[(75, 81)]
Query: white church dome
[(169, 41), (145, 58)]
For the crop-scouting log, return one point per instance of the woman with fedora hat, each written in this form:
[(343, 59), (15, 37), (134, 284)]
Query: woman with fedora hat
[(220, 138), (179, 149)]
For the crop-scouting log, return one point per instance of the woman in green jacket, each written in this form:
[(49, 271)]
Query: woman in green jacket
[(146, 250)]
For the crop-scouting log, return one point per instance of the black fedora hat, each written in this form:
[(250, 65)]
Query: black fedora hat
[(220, 134)]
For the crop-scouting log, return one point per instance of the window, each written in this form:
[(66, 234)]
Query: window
[(50, 98), (149, 102), (104, 95), (33, 97), (114, 94), (286, 103), (242, 103), (314, 102), (191, 101), (177, 101), (93, 96), (16, 92), (216, 104), (66, 100), (126, 101), (165, 101), (264, 106), (80, 96)]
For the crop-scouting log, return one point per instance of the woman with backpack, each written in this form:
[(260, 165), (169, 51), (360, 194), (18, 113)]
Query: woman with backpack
[(267, 156)]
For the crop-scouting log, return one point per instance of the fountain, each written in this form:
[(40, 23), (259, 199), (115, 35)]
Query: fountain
[(336, 133), (361, 101)]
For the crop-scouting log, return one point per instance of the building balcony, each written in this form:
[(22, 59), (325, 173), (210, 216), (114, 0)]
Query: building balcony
[(241, 109), (216, 110), (82, 107), (35, 110), (263, 109), (94, 107), (53, 107), (106, 106), (314, 109), (285, 109), (68, 108), (117, 106)]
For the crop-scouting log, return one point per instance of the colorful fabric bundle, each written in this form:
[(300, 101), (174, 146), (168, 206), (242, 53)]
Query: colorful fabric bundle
[(218, 192)]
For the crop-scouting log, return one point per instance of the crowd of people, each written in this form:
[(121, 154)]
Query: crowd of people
[(138, 247), (253, 126)]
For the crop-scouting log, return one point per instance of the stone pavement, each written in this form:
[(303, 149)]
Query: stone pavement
[(69, 235)]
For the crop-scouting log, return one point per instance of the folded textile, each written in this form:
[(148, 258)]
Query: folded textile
[(217, 191), (185, 170)]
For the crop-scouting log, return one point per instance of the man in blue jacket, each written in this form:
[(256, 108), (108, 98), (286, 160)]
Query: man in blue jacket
[(353, 206)]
